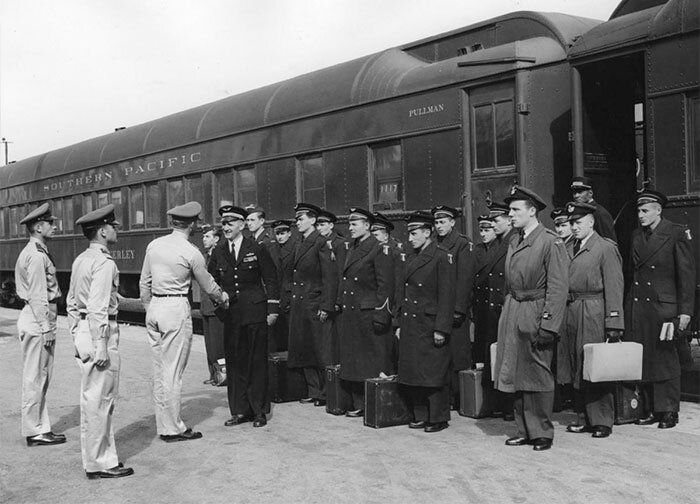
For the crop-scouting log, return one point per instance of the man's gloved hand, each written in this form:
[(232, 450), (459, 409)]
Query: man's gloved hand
[(543, 339), (458, 319), (613, 335), (439, 339)]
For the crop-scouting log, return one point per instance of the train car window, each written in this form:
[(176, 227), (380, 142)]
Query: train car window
[(137, 210), (505, 145), (176, 193), (87, 203), (68, 215), (311, 181), (14, 221), (493, 135), (483, 137), (223, 189), (194, 189), (387, 170), (102, 199), (694, 157), (245, 187), (116, 200), (152, 205), (2, 223), (57, 210)]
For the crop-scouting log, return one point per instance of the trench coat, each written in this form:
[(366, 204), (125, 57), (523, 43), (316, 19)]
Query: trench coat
[(314, 287), (427, 305), (365, 295), (536, 283), (596, 292), (662, 287)]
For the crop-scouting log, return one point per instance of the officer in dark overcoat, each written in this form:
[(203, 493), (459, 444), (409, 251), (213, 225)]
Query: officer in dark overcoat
[(662, 290), (282, 254), (314, 291), (582, 192), (425, 319), (365, 295)]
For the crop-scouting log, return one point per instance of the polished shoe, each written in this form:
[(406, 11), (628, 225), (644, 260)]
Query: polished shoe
[(46, 439), (578, 428), (115, 472), (307, 400), (517, 441), (320, 402), (436, 427), (260, 421), (355, 413), (188, 435), (601, 431), (508, 417), (647, 420), (496, 414), (238, 419), (416, 425), (540, 444), (668, 420)]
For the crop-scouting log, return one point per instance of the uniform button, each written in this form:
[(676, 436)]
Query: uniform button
[(345, 278), (345, 292), (344, 306), (405, 299), (648, 283), (648, 299), (490, 274), (301, 284), (414, 315), (406, 284), (636, 283), (415, 302), (405, 314), (635, 299), (653, 267), (352, 293), (356, 279), (420, 285), (294, 296)]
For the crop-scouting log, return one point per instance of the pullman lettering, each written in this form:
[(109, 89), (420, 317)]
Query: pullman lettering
[(430, 109)]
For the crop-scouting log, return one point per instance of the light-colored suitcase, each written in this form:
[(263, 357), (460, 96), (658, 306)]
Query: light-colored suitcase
[(471, 394), (610, 362)]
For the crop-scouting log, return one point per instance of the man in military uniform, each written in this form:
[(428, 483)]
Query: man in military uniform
[(425, 321), (92, 312), (365, 295), (485, 318), (247, 273), (593, 312), (582, 192), (213, 328), (562, 226), (662, 291), (536, 273), (37, 286), (171, 263), (282, 254), (256, 226), (461, 249), (314, 291)]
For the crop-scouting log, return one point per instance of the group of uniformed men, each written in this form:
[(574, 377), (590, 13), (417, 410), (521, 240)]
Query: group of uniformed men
[(371, 305)]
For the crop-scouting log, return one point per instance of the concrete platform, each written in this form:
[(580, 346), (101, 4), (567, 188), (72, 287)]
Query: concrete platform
[(306, 455)]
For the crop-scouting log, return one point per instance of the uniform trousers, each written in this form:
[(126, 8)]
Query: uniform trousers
[(664, 396), (169, 325), (357, 390), (213, 329), (99, 387), (430, 404), (533, 414), (315, 381), (595, 404), (245, 349), (37, 368)]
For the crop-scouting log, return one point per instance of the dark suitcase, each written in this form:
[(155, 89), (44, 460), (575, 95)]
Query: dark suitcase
[(385, 403), (690, 384), (628, 403), (471, 394), (338, 399), (284, 385)]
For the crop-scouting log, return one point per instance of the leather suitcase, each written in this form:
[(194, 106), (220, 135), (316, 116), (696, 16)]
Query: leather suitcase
[(611, 362), (628, 403), (690, 384), (385, 403), (471, 394), (338, 400), (284, 385)]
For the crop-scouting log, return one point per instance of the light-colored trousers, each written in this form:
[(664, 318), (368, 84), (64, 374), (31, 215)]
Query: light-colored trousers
[(99, 387), (169, 325), (37, 367)]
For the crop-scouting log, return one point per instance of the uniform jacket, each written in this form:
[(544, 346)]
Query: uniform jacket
[(283, 255), (485, 316), (365, 295), (426, 306), (265, 239), (250, 280), (604, 224), (662, 288), (206, 306), (536, 273), (594, 304)]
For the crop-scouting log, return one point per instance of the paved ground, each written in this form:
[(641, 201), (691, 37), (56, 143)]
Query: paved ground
[(305, 455)]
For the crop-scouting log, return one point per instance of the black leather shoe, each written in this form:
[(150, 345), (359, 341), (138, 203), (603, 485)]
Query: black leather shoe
[(320, 402), (238, 419), (416, 425), (517, 441), (355, 413), (115, 472), (436, 427), (668, 420), (307, 400), (508, 417), (260, 421), (578, 428), (647, 420), (601, 431), (540, 444), (496, 414), (46, 439), (188, 435)]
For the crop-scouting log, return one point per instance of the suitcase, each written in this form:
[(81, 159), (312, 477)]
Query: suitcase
[(284, 385), (220, 373), (385, 403), (690, 384), (628, 403), (338, 400), (471, 394), (611, 362)]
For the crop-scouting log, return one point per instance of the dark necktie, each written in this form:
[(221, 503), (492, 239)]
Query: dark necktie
[(577, 246), (521, 237)]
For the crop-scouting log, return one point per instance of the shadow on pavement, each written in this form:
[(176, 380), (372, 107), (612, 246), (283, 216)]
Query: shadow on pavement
[(68, 420)]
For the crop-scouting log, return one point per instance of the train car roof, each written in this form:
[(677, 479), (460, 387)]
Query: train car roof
[(638, 27), (495, 46)]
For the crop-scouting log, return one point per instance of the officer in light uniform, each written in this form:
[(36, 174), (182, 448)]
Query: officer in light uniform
[(171, 263), (37, 285), (92, 311)]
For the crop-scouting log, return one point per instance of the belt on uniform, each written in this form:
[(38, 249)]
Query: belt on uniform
[(573, 296), (51, 301), (169, 295), (83, 316), (527, 295)]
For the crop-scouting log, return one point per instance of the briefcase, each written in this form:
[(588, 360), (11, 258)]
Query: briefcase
[(385, 403), (284, 385), (472, 402), (220, 379), (610, 362), (628, 403), (338, 399)]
